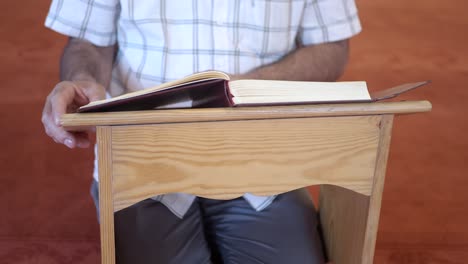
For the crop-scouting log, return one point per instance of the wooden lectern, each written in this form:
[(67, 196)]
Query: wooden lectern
[(223, 153)]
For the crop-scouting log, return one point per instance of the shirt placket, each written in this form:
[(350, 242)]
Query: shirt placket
[(221, 35)]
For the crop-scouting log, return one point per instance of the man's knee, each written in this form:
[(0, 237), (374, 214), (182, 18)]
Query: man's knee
[(284, 232), (148, 232)]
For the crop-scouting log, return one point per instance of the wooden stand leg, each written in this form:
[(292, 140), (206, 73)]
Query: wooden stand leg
[(104, 137), (350, 220), (343, 217), (386, 125)]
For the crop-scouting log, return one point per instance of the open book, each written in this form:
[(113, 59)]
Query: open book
[(214, 89)]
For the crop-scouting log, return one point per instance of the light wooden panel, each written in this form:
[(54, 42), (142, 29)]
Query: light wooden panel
[(223, 160), (84, 121), (350, 220), (377, 189), (106, 208), (343, 215)]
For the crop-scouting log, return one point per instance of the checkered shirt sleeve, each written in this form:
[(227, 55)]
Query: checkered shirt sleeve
[(92, 20), (329, 20)]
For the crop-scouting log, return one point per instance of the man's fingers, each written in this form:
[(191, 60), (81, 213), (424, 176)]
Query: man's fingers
[(69, 139), (59, 102), (51, 127), (59, 135), (65, 97), (58, 109), (82, 139), (96, 93)]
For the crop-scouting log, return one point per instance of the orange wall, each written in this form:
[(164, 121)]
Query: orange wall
[(48, 216)]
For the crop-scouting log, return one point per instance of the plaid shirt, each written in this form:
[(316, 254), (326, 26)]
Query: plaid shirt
[(164, 40)]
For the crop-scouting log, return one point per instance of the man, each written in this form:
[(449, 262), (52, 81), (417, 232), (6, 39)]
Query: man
[(120, 46)]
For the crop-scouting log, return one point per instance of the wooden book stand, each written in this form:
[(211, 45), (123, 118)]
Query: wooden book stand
[(223, 153)]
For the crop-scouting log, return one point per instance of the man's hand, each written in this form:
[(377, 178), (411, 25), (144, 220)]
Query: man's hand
[(85, 71), (67, 97)]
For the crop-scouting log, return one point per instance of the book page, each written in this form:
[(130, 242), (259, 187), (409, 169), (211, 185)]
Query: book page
[(266, 91)]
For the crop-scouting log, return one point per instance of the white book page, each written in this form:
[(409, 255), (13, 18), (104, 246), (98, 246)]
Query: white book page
[(264, 91)]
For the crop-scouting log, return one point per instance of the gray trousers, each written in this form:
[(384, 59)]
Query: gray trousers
[(215, 231)]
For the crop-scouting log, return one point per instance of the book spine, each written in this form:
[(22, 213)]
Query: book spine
[(213, 93), (228, 94)]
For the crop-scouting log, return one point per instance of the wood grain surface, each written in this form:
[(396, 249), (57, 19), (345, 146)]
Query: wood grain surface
[(85, 120), (224, 160), (349, 220), (343, 218), (106, 207), (375, 203)]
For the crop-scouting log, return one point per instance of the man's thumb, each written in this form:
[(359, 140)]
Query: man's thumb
[(97, 93)]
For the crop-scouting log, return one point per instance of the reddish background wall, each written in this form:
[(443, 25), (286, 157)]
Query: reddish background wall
[(48, 217)]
